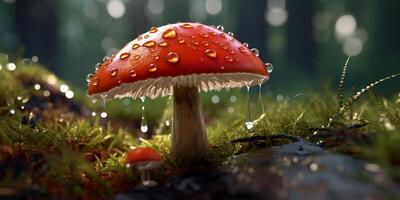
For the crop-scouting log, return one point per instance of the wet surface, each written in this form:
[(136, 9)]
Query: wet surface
[(299, 170)]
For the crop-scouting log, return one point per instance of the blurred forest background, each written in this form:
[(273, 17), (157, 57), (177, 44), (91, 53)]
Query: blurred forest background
[(307, 41)]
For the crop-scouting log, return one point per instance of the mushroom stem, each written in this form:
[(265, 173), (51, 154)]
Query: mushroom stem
[(189, 138)]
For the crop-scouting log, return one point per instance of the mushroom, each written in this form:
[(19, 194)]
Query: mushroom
[(179, 59), (144, 159)]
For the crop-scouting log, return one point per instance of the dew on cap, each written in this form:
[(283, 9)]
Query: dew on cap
[(170, 34), (136, 57), (132, 73), (114, 72), (95, 81), (156, 57), (231, 34), (181, 41), (146, 36), (204, 35), (231, 51), (242, 49), (152, 67), (106, 58), (255, 51), (124, 56), (135, 46), (186, 25), (220, 28), (245, 44), (152, 50), (269, 67), (163, 44), (98, 66), (153, 30), (195, 43), (89, 77), (211, 53), (204, 43), (172, 57), (149, 43), (229, 59), (213, 33)]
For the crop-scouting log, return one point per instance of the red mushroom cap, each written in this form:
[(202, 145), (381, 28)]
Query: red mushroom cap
[(189, 54), (142, 154)]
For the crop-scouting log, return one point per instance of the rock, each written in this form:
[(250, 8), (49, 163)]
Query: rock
[(299, 170)]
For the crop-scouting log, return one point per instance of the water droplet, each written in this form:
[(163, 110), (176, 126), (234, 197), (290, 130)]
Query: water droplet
[(156, 57), (220, 28), (204, 43), (163, 44), (98, 66), (89, 77), (222, 34), (213, 33), (204, 35), (255, 51), (242, 49), (152, 67), (146, 36), (249, 125), (269, 67), (106, 58), (149, 43), (245, 44), (186, 25), (95, 81), (249, 122), (135, 46), (195, 43), (153, 30), (103, 115), (211, 53), (136, 57), (193, 37), (222, 67), (124, 56), (260, 101), (172, 57), (152, 50), (132, 73), (181, 41), (143, 123), (139, 37), (114, 72), (231, 52), (169, 33), (229, 59), (223, 46), (230, 34)]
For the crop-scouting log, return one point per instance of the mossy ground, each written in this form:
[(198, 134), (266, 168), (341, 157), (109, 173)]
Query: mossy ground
[(55, 147)]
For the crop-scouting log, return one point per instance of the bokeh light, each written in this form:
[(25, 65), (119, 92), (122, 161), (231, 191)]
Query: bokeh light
[(116, 9)]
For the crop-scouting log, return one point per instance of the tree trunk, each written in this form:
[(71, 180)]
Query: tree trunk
[(189, 138)]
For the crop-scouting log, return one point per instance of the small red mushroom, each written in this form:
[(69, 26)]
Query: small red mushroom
[(144, 159), (179, 59)]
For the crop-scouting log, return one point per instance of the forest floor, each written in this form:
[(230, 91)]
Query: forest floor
[(54, 144)]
